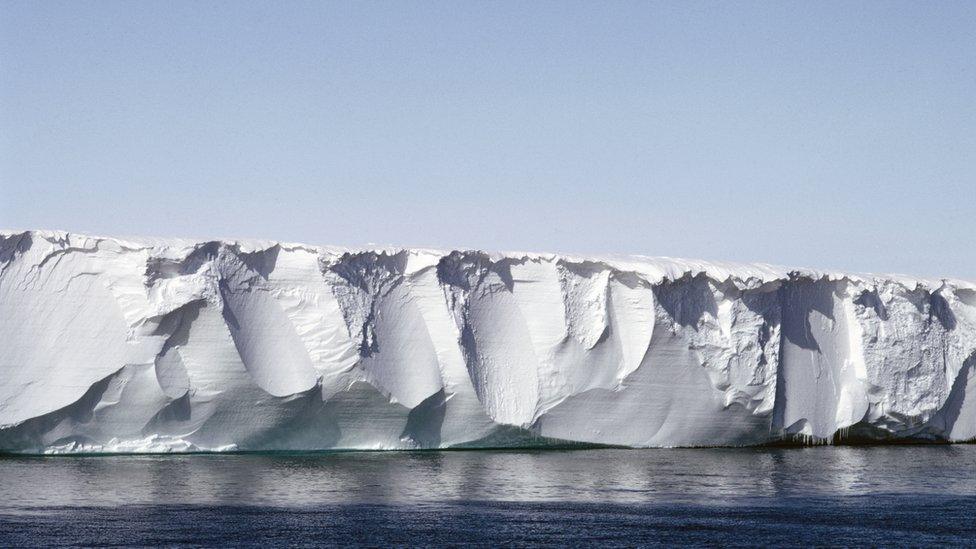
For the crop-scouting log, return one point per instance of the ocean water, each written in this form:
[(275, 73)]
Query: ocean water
[(829, 495)]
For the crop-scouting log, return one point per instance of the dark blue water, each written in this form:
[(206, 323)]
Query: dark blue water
[(799, 496)]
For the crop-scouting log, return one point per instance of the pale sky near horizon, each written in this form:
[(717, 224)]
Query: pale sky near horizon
[(833, 135)]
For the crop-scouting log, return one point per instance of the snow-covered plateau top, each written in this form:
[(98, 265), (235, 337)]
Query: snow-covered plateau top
[(652, 268)]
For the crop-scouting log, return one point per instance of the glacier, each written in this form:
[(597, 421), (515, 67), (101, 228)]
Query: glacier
[(171, 345)]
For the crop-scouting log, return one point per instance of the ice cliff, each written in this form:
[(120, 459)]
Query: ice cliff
[(144, 345)]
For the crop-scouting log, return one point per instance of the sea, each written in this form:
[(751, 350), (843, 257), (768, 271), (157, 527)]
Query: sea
[(823, 495)]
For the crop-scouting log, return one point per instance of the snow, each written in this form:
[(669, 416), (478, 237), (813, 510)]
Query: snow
[(169, 345)]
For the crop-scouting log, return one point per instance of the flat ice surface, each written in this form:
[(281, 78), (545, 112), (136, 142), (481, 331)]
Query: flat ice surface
[(163, 345)]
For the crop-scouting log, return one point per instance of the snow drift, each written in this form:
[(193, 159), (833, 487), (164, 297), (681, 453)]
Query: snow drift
[(145, 345)]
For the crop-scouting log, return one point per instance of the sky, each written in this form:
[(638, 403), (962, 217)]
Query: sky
[(817, 134)]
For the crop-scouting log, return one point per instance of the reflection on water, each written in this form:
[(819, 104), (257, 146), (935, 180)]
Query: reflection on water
[(700, 476)]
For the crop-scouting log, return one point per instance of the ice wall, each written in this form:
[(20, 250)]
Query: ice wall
[(142, 345)]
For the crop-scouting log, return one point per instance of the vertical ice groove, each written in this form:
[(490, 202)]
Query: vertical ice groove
[(395, 348), (264, 336), (631, 316), (494, 336), (308, 300), (174, 345), (537, 296), (821, 389), (463, 418), (585, 288)]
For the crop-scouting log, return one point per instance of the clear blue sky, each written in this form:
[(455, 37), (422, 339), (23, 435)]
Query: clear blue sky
[(836, 135)]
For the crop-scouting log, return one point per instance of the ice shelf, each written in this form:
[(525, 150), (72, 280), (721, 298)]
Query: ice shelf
[(161, 345)]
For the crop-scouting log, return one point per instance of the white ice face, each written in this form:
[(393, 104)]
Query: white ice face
[(135, 345)]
